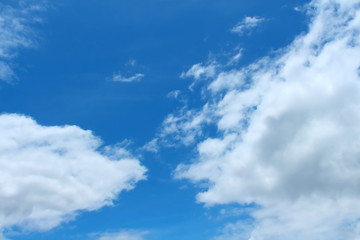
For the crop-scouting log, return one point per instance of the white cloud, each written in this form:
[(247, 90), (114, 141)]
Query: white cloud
[(289, 134), (199, 70), (123, 235), (246, 24), (48, 174), (117, 77), (15, 33)]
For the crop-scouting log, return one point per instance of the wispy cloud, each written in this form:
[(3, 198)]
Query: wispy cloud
[(6, 73), (131, 62), (151, 146), (240, 230), (246, 24), (16, 33), (236, 57), (122, 235), (200, 72), (174, 94), (117, 77), (184, 127)]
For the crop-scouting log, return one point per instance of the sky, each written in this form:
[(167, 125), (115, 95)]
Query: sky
[(191, 119)]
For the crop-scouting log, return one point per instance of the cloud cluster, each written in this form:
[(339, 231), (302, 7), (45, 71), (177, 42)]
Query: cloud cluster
[(288, 133), (50, 173)]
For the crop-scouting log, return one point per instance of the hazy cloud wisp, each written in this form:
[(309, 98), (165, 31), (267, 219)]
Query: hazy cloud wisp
[(15, 33), (117, 77), (246, 24), (123, 235)]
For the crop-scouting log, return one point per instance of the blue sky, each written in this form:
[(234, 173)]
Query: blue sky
[(192, 119)]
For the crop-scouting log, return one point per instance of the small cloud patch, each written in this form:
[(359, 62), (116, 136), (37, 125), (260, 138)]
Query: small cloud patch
[(246, 24), (117, 77)]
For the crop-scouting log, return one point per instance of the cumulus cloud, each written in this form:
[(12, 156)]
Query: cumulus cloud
[(246, 24), (123, 235), (48, 174), (117, 77), (288, 133), (15, 33)]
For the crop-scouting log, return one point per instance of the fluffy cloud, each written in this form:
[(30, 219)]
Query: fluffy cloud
[(50, 173), (15, 33), (289, 133), (246, 24)]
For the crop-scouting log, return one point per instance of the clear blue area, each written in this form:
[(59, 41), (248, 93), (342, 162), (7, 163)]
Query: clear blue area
[(65, 80)]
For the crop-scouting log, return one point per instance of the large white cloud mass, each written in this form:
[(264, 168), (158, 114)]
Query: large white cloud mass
[(289, 133), (50, 173)]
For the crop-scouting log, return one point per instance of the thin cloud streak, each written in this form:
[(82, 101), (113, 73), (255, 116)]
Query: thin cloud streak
[(117, 77)]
